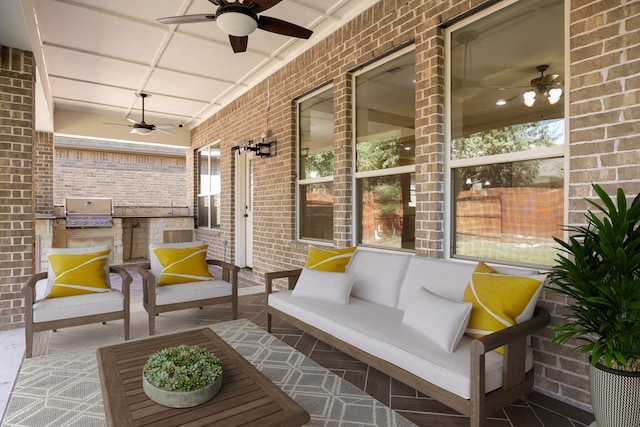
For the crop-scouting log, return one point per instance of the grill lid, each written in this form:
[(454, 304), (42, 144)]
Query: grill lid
[(91, 212)]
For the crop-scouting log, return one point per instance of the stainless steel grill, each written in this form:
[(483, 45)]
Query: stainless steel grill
[(92, 212)]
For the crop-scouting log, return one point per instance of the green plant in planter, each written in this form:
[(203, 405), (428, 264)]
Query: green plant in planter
[(184, 368), (600, 273)]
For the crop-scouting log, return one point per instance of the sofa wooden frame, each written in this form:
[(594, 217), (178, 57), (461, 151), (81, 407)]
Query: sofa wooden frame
[(29, 292), (516, 382), (229, 274)]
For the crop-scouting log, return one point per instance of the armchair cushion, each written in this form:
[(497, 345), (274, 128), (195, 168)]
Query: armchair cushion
[(182, 265), (78, 273), (156, 265), (499, 300), (193, 291), (77, 306)]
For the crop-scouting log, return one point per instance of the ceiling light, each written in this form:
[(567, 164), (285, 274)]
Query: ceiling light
[(141, 131), (529, 98), (546, 85), (237, 22)]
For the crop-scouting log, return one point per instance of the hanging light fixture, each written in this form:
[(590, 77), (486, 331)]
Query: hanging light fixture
[(546, 85)]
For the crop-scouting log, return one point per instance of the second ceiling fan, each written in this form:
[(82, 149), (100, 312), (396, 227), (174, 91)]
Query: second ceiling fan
[(240, 18)]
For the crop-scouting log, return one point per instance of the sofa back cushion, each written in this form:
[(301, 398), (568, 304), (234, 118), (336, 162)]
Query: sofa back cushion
[(445, 278), (378, 275)]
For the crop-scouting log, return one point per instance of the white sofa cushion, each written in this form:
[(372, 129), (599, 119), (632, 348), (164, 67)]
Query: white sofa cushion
[(192, 291), (325, 285), (378, 275), (77, 306), (439, 319), (378, 330), (445, 278)]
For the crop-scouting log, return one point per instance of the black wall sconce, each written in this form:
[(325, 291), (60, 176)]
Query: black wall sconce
[(262, 149)]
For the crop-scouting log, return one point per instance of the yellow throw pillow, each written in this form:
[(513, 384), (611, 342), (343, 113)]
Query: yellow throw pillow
[(77, 274), (335, 260), (497, 300), (183, 265)]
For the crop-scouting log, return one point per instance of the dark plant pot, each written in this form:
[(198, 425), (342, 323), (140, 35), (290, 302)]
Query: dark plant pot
[(181, 399), (614, 396)]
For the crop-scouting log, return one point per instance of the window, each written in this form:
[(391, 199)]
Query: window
[(506, 154), (209, 186), (385, 152), (315, 173)]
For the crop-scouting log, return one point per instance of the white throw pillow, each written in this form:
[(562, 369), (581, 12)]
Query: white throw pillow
[(441, 320), (324, 285)]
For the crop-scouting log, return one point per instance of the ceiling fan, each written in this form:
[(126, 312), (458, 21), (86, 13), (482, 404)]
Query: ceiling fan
[(548, 86), (240, 18), (142, 127)]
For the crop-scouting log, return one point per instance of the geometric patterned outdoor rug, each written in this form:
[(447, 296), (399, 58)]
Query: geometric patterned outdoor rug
[(63, 389)]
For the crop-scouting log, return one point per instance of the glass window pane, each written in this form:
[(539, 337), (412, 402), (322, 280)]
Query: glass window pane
[(215, 171), (205, 182), (385, 115), (316, 135), (316, 211), (203, 211), (491, 72), (387, 214), (509, 211)]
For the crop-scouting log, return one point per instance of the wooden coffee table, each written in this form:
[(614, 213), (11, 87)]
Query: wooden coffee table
[(246, 396)]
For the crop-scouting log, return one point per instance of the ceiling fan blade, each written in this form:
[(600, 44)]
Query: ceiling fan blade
[(166, 132), (279, 26), (116, 124), (218, 2), (164, 126), (187, 19), (132, 121), (239, 44), (260, 5)]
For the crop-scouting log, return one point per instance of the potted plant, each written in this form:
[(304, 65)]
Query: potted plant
[(182, 376), (598, 268)]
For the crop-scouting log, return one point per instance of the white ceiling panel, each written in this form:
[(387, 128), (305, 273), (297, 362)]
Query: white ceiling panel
[(93, 55)]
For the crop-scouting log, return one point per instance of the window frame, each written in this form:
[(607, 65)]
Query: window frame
[(555, 152), (301, 182), (356, 205), (211, 195)]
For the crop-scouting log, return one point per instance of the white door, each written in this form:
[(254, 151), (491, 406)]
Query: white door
[(244, 210)]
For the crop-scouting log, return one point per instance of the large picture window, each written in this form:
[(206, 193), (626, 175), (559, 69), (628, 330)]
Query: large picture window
[(315, 173), (385, 152), (506, 133), (209, 186)]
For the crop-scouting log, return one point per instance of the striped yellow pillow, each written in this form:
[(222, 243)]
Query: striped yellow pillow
[(182, 265), (498, 300), (77, 274), (335, 260)]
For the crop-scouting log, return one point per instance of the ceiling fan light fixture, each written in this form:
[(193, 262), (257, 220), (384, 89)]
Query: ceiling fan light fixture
[(554, 95), (238, 22), (529, 98), (141, 131)]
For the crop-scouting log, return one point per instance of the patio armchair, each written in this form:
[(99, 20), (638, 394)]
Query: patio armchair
[(76, 290), (177, 277)]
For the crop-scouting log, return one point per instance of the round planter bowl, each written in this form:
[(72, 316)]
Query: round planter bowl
[(181, 399)]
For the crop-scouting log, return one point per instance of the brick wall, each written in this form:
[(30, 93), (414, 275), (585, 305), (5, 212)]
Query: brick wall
[(43, 173), (130, 179), (604, 143), (17, 227)]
